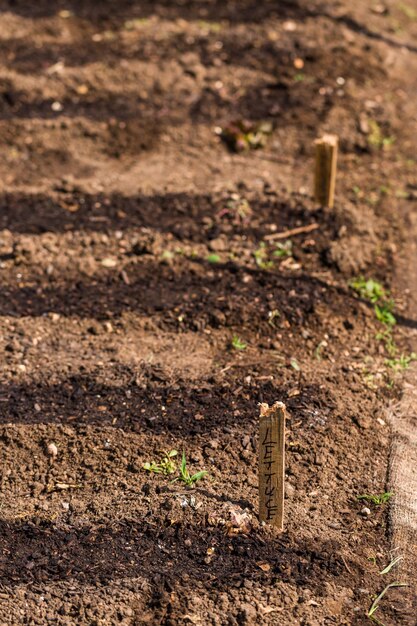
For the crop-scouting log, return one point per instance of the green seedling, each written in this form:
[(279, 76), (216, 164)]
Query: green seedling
[(386, 337), (368, 289), (402, 362), (376, 137), (318, 351), (390, 565), (261, 257), (238, 209), (402, 194), (377, 499), (136, 23), (299, 77), (294, 365), (243, 135), (375, 604), (384, 313), (167, 255), (185, 475), (214, 27), (408, 11), (238, 344), (213, 258), (283, 250), (164, 466)]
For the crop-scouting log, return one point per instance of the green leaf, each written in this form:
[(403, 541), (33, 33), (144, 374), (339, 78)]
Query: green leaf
[(213, 258), (198, 476)]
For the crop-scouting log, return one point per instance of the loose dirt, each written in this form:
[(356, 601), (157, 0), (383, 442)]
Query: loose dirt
[(133, 250)]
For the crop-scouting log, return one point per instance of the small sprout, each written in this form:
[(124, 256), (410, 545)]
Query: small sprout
[(375, 604), (402, 362), (377, 499), (238, 344), (242, 135), (373, 291), (369, 289), (214, 27), (261, 257), (213, 258), (165, 466), (318, 351), (376, 137), (294, 365), (402, 194), (283, 250), (185, 475), (384, 313), (386, 337), (390, 565), (408, 11), (135, 23), (299, 77), (167, 255)]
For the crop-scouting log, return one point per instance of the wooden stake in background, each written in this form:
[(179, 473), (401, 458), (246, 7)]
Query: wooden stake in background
[(325, 170), (272, 463)]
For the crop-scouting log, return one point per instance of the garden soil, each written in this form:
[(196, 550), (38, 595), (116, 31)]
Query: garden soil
[(147, 305)]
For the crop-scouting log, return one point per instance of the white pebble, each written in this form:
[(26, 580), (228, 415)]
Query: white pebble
[(365, 511), (52, 450)]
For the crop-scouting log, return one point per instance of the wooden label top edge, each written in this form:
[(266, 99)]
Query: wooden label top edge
[(268, 411), (330, 140)]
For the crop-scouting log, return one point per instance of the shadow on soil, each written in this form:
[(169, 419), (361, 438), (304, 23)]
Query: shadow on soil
[(79, 400), (35, 551), (187, 216), (235, 11)]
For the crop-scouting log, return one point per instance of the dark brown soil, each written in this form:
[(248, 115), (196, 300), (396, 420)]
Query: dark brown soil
[(130, 256)]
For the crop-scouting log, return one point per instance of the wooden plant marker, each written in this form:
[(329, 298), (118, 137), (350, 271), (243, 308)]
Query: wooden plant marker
[(272, 463), (325, 170)]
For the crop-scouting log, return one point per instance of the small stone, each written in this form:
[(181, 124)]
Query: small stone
[(362, 421), (289, 490), (246, 441), (217, 245), (365, 511), (247, 614), (52, 450), (289, 26), (109, 263), (245, 454), (364, 125), (56, 106)]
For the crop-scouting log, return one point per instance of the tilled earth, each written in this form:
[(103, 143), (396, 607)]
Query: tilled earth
[(135, 249)]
